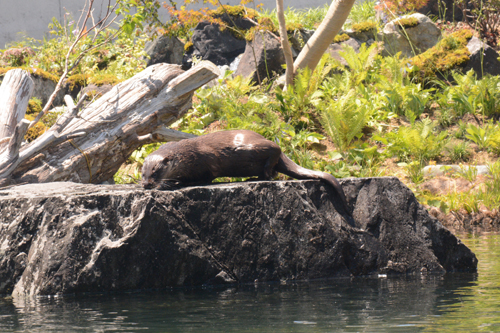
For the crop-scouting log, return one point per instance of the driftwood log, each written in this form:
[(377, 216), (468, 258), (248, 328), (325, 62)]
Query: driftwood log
[(89, 146), (15, 92)]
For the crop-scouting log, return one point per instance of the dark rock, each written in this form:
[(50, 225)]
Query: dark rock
[(209, 43), (43, 88), (483, 58), (268, 60), (67, 237), (362, 36), (165, 49)]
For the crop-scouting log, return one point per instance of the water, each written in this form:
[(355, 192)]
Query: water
[(456, 302)]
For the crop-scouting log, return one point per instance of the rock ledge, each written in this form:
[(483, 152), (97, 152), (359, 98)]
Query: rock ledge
[(67, 238)]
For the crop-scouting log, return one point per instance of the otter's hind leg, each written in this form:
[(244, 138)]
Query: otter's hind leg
[(269, 171)]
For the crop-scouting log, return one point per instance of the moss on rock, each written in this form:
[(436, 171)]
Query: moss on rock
[(341, 38), (449, 53), (265, 24), (35, 131), (78, 80), (364, 26), (406, 22), (188, 47), (32, 70), (34, 106), (236, 11)]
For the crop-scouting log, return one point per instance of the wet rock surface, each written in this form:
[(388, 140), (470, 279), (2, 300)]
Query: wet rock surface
[(67, 237)]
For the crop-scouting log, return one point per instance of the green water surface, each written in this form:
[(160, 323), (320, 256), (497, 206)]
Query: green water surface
[(455, 302)]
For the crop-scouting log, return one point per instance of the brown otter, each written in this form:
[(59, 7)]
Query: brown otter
[(236, 153)]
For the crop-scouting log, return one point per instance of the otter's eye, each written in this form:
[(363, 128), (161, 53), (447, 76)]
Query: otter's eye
[(156, 171)]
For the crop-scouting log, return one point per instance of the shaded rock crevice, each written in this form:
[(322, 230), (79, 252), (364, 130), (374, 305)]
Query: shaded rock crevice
[(68, 238)]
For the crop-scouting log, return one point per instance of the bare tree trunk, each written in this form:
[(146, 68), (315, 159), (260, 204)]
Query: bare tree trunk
[(287, 50), (15, 92), (91, 146), (323, 37)]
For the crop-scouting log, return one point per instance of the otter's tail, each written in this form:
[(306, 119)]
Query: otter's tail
[(290, 168)]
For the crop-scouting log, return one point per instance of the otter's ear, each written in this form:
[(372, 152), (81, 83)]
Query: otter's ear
[(152, 161)]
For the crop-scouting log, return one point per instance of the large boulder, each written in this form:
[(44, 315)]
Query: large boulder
[(263, 55), (410, 41), (483, 59), (165, 49), (67, 237), (210, 43)]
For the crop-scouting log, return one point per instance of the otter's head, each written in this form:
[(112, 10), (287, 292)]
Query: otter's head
[(153, 169), (159, 172)]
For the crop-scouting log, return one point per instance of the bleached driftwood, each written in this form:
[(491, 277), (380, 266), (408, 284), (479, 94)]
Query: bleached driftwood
[(91, 146), (15, 92)]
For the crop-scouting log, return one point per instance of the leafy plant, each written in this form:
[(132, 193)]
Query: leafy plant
[(307, 18), (468, 172), (360, 63), (131, 172), (362, 12), (412, 100), (418, 142), (462, 129), (344, 119), (413, 171), (494, 139), (480, 135), (459, 151), (297, 103), (367, 158)]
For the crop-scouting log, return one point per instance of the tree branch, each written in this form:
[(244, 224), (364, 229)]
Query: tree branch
[(287, 51)]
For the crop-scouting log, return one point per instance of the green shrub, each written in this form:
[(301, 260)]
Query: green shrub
[(362, 12), (420, 142), (459, 151), (344, 119)]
